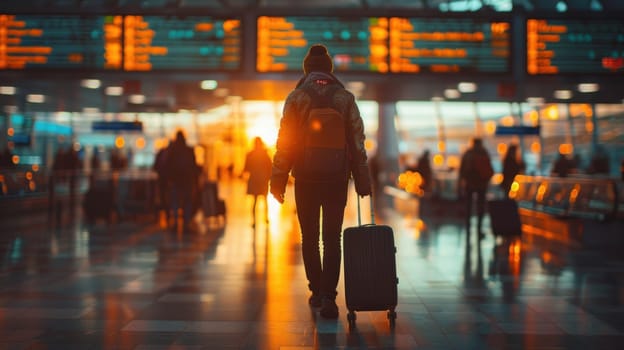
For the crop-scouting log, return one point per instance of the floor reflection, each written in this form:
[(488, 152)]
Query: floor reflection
[(231, 285)]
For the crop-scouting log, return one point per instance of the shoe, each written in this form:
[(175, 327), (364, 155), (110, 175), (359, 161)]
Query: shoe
[(315, 300), (329, 309)]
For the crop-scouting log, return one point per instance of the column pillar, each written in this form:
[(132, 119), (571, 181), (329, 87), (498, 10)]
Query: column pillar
[(4, 126), (387, 144), (595, 139)]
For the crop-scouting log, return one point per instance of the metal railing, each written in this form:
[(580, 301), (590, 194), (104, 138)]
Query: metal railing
[(27, 190), (590, 197), (580, 197)]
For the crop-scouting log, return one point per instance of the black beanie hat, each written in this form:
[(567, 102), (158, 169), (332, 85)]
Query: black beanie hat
[(317, 60)]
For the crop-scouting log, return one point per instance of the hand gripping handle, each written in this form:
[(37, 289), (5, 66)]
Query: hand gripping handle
[(372, 210)]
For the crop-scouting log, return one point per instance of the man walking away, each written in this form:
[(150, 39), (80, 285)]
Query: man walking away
[(321, 139), (475, 172), (182, 172)]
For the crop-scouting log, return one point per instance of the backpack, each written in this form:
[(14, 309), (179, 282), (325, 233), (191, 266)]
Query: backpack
[(482, 166), (324, 156)]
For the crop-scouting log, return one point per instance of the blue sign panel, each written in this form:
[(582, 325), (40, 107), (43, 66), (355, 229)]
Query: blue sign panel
[(517, 130), (117, 126)]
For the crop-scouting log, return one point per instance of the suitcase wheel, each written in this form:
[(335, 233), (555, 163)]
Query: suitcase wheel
[(351, 318), (392, 318)]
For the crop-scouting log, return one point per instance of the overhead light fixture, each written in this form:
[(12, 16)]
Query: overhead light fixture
[(114, 91), (90, 110), (563, 94), (136, 99), (221, 92), (588, 87), (561, 6), (356, 88), (452, 94), (7, 90), (596, 6), (209, 84), (355, 85), (466, 87), (35, 98), (10, 109), (535, 101), (91, 83)]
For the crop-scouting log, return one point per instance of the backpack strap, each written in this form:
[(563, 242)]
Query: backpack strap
[(318, 100)]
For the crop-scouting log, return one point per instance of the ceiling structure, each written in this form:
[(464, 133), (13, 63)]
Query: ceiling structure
[(176, 90), (48, 6)]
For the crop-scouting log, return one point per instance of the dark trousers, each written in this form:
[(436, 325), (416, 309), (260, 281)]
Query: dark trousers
[(471, 193), (163, 195), (181, 197), (328, 200)]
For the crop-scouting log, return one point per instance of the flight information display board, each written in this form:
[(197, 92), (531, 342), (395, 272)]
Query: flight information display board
[(131, 43), (575, 46), (154, 43), (355, 44), (58, 42), (449, 45)]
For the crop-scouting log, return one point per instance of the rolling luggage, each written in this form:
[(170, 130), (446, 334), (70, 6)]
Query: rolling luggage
[(370, 269), (504, 217), (212, 205), (99, 202)]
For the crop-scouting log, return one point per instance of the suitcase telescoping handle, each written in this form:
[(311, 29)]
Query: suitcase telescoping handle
[(372, 211)]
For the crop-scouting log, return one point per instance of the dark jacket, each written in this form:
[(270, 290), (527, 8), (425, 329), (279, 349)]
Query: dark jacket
[(180, 163), (469, 170), (295, 112)]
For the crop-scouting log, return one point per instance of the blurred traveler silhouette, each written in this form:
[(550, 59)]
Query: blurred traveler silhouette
[(95, 161), (117, 160), (599, 163), (59, 163), (6, 158), (182, 172), (258, 169), (512, 166), (561, 167), (321, 123), (475, 172), (65, 167), (423, 167)]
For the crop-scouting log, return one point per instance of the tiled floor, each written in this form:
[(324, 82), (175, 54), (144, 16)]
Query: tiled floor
[(134, 285)]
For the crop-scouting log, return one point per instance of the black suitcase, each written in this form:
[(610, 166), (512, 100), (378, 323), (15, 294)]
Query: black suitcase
[(504, 217), (370, 269), (99, 203), (212, 205)]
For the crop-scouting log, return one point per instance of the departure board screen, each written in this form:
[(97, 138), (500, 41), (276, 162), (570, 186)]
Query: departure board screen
[(59, 42), (355, 44), (184, 43), (449, 45), (569, 46), (131, 43)]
